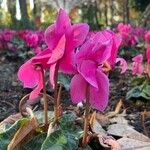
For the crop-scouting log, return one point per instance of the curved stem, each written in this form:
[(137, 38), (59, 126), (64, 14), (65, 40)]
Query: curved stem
[(45, 99), (86, 117)]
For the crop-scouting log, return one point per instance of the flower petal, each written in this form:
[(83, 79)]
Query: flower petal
[(58, 52), (51, 37), (28, 75), (67, 64), (99, 98), (79, 33), (62, 22), (88, 70), (78, 88), (42, 58), (138, 58), (52, 75), (35, 93), (123, 64)]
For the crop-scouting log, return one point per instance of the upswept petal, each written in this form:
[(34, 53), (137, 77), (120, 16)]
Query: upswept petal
[(35, 93), (123, 64), (95, 49), (62, 22), (54, 32), (78, 32), (51, 37), (101, 52), (88, 70), (85, 51), (78, 88), (42, 58), (106, 35), (99, 98), (28, 75), (137, 68), (52, 74), (58, 52), (138, 58)]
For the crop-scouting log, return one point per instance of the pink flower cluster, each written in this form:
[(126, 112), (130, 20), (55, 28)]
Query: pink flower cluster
[(71, 50), (131, 35), (137, 66), (31, 39)]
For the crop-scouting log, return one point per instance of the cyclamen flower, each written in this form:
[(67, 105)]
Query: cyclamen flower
[(93, 53), (137, 67), (31, 76), (148, 55), (62, 38), (147, 37), (123, 64)]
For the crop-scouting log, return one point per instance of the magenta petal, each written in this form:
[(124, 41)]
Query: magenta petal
[(28, 75), (78, 88), (99, 98), (51, 37), (52, 75), (148, 55), (35, 93), (42, 58), (138, 58), (88, 70), (67, 63), (62, 22), (58, 52), (123, 64), (80, 32)]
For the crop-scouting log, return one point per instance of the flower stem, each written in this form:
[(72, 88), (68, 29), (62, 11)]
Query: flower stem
[(56, 115), (45, 99), (86, 118)]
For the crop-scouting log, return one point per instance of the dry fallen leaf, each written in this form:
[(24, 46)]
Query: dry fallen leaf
[(113, 144), (124, 130), (11, 119), (132, 144)]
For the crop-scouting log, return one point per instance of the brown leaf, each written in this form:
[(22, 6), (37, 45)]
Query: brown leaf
[(11, 119), (124, 130), (113, 143), (22, 133), (132, 144)]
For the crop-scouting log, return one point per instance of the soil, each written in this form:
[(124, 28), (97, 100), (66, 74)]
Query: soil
[(11, 90)]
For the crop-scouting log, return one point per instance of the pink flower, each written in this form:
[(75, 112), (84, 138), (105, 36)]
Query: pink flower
[(137, 67), (62, 38), (32, 40), (147, 37), (123, 64), (93, 53), (31, 77), (148, 55), (124, 28)]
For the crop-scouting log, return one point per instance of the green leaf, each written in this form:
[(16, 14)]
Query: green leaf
[(134, 93), (7, 135), (56, 140), (138, 80), (142, 91), (66, 137), (40, 115), (35, 143), (146, 92), (64, 80)]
